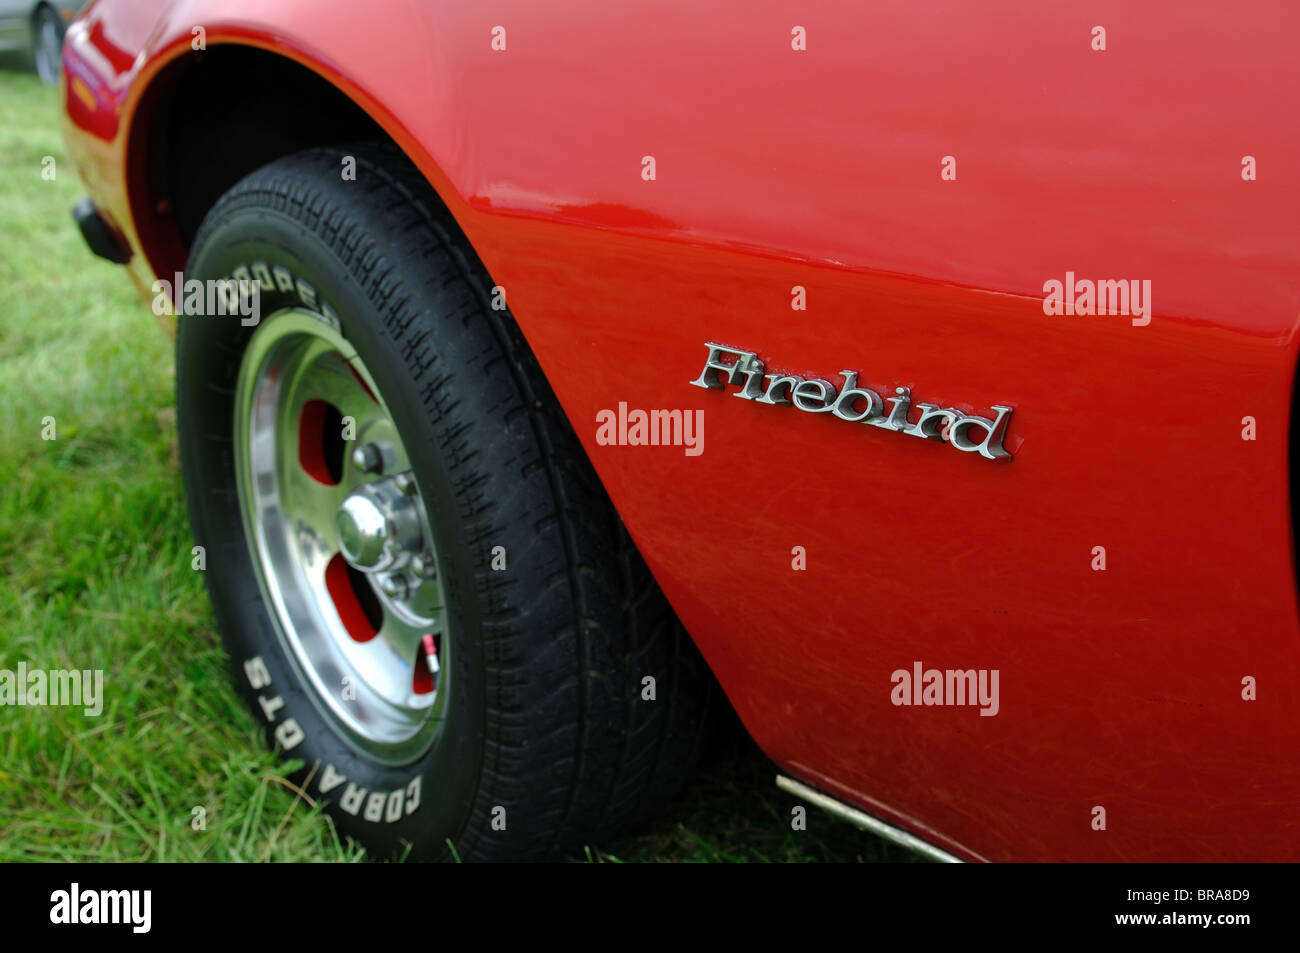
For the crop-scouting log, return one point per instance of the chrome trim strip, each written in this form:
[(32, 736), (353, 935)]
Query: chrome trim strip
[(851, 814)]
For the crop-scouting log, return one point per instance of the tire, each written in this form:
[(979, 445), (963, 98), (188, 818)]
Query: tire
[(549, 620), (47, 45)]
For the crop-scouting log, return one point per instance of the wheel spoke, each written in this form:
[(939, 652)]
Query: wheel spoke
[(400, 642), (426, 602), (330, 379), (401, 639), (309, 505)]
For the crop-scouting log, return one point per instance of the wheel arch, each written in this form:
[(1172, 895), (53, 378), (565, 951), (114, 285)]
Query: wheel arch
[(192, 134)]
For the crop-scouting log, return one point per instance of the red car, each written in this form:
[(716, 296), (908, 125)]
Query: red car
[(516, 343)]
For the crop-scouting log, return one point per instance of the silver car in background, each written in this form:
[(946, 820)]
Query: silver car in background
[(35, 28)]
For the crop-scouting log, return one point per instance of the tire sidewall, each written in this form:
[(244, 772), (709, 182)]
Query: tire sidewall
[(39, 52)]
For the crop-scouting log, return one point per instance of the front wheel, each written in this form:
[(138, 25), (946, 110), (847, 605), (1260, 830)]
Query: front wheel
[(425, 594), (47, 45)]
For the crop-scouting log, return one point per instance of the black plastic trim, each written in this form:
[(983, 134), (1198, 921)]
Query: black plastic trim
[(99, 235)]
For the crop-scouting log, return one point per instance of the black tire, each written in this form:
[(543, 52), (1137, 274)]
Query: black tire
[(551, 726), (47, 45)]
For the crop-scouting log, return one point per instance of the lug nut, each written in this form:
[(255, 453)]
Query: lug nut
[(368, 458), (396, 587), (424, 566)]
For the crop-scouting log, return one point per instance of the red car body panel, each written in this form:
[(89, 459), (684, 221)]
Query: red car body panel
[(1121, 688)]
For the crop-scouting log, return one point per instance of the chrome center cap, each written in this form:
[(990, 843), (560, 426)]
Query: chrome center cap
[(379, 527)]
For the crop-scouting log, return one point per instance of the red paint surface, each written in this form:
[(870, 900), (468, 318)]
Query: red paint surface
[(1118, 688), (351, 613), (311, 443)]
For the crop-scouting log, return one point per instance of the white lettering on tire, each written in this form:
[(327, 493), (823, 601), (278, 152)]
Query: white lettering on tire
[(289, 734), (271, 706), (263, 275), (393, 809), (258, 676), (387, 807), (413, 795), (330, 779), (282, 279), (352, 797)]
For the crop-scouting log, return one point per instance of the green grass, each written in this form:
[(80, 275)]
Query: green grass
[(95, 557)]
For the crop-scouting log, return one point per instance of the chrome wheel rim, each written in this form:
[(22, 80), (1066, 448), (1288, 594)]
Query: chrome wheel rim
[(340, 536)]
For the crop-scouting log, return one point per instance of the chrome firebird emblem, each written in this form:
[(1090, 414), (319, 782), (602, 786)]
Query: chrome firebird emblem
[(857, 405)]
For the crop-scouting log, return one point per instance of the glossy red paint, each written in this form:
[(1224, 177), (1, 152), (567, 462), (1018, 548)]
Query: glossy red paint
[(776, 168)]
